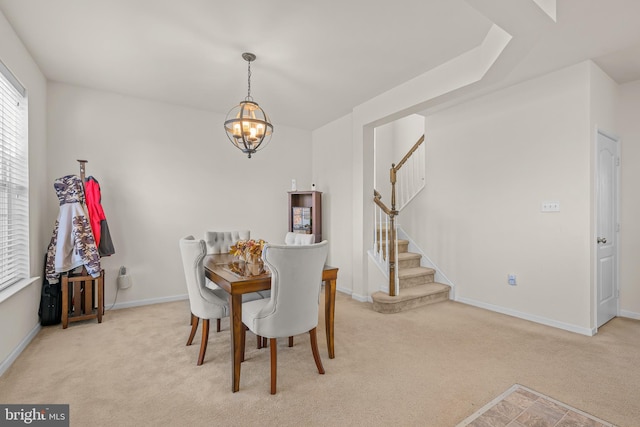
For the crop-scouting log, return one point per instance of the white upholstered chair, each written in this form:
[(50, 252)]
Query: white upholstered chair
[(205, 303), (219, 242), (299, 239), (296, 277), (295, 239)]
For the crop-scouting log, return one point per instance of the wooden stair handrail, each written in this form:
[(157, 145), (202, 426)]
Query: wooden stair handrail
[(409, 153), (377, 199), (395, 168), (392, 213)]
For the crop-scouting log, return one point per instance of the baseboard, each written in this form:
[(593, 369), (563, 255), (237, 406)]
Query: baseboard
[(6, 363), (630, 314), (357, 297), (537, 319), (361, 298), (139, 303)]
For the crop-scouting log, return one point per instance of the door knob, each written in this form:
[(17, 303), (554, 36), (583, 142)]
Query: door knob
[(602, 240)]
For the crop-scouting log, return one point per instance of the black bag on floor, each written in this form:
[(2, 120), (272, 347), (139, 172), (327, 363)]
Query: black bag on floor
[(50, 310)]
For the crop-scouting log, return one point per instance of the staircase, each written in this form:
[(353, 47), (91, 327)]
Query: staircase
[(417, 286)]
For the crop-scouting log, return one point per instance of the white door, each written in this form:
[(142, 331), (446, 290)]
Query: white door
[(607, 228)]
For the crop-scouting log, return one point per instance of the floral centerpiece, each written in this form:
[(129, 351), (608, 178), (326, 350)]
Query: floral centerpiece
[(248, 250)]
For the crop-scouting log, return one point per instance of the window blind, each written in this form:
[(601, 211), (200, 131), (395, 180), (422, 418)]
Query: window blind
[(14, 181)]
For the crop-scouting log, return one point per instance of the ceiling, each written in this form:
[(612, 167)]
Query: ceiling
[(315, 60)]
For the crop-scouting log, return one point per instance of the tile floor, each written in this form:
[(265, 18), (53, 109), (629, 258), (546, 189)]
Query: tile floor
[(523, 407)]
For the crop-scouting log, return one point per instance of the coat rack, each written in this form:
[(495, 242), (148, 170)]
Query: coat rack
[(78, 302), (82, 169)]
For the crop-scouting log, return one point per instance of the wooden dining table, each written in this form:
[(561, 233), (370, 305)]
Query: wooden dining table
[(226, 271)]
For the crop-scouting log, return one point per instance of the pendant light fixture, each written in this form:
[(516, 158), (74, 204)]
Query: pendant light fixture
[(247, 125)]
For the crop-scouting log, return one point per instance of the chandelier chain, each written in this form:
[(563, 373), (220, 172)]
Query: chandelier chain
[(249, 81)]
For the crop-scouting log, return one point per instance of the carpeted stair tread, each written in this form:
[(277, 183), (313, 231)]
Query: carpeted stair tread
[(408, 260), (413, 297), (407, 273), (400, 241), (414, 292), (402, 256), (403, 245)]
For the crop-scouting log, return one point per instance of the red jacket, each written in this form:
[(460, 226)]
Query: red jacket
[(97, 218), (96, 213)]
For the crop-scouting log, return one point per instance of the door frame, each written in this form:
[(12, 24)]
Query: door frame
[(594, 230)]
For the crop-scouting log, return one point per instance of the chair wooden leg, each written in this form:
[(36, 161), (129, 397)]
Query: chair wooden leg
[(259, 342), (194, 328), (205, 340), (314, 350), (264, 342), (274, 363), (218, 325), (290, 341)]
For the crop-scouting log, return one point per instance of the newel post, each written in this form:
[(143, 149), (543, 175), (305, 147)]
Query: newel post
[(392, 256), (392, 233)]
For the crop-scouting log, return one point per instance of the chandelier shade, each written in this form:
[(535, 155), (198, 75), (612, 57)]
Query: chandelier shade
[(247, 125)]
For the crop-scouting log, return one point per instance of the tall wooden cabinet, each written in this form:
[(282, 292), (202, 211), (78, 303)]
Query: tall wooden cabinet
[(305, 213)]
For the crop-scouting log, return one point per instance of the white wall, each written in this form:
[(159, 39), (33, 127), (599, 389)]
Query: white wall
[(19, 313), (332, 174), (392, 142), (490, 164), (629, 125), (167, 171), (406, 132), (384, 155)]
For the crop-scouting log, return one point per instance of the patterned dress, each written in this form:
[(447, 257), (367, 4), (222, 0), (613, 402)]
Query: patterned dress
[(72, 244)]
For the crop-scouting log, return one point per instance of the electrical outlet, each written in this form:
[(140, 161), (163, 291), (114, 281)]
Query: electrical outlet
[(123, 280), (512, 279), (550, 207)]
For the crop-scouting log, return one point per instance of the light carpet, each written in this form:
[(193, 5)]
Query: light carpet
[(432, 366)]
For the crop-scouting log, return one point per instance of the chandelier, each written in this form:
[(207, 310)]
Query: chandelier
[(247, 125)]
